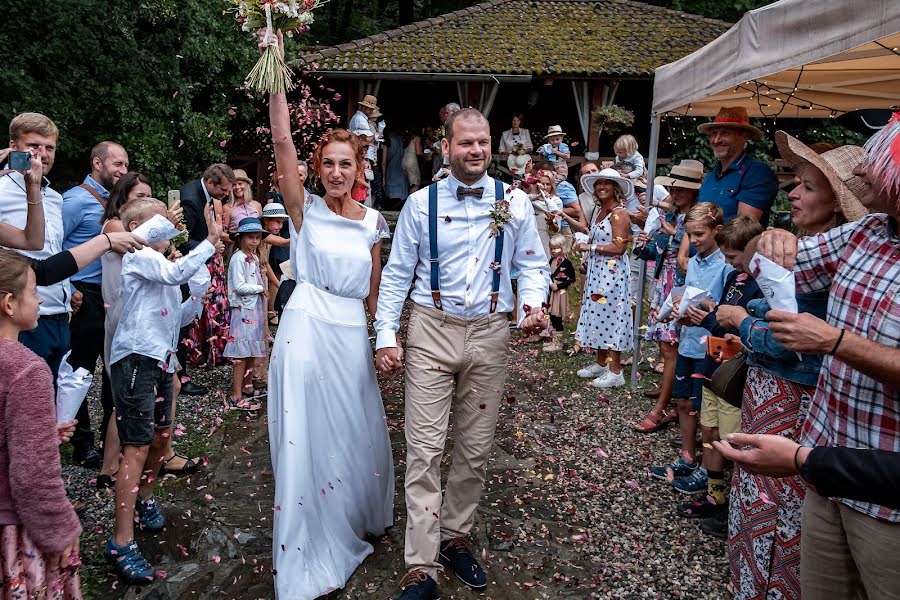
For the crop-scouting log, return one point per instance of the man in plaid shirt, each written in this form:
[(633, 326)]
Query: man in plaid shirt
[(851, 549)]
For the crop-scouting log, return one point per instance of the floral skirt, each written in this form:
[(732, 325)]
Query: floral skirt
[(26, 574), (764, 515), (656, 331), (209, 334)]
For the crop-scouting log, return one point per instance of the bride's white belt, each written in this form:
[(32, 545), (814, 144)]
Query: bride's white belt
[(326, 306)]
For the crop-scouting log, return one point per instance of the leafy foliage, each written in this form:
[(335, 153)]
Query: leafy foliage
[(612, 118), (161, 77)]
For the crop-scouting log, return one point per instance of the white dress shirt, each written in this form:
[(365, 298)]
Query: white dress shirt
[(152, 310), (465, 251), (14, 211)]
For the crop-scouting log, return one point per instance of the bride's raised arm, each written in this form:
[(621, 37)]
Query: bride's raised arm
[(285, 153)]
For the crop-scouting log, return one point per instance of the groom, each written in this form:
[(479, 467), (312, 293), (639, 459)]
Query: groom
[(456, 340)]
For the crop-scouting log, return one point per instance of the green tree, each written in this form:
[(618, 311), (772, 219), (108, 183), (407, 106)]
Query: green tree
[(162, 77)]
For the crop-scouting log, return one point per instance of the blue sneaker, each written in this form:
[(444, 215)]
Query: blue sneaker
[(679, 467), (458, 555), (130, 565), (693, 483), (149, 517)]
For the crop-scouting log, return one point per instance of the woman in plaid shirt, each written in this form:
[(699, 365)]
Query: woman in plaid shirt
[(850, 548)]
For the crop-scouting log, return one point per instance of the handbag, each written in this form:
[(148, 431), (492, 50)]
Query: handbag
[(729, 378)]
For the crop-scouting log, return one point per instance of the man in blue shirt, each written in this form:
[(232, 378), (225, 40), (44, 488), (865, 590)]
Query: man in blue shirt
[(82, 211), (739, 184)]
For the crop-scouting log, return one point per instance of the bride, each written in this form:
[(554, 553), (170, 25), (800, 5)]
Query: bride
[(331, 454)]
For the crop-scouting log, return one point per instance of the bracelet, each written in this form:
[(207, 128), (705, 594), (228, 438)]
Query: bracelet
[(108, 240), (837, 343), (796, 455), (41, 201)]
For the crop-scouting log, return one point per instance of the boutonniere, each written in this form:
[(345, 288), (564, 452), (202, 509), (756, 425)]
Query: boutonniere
[(500, 215)]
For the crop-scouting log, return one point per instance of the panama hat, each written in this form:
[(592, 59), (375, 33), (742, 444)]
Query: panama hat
[(273, 210), (554, 130), (837, 165), (376, 113), (248, 225), (369, 101), (625, 185), (686, 174), (241, 175), (734, 117)]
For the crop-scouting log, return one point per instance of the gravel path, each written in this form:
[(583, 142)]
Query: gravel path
[(568, 510)]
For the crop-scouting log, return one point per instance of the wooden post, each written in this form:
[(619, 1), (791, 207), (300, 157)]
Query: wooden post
[(352, 101), (597, 88)]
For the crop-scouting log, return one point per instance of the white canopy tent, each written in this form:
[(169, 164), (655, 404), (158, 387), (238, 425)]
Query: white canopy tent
[(790, 59)]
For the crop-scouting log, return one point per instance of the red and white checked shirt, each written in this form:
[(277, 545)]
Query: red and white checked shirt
[(860, 264)]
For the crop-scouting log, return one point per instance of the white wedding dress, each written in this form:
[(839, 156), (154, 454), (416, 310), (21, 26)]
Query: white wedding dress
[(331, 453)]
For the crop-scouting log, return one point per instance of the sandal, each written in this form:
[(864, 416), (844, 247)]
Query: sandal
[(190, 466), (654, 393), (575, 349), (649, 424), (669, 416), (243, 404)]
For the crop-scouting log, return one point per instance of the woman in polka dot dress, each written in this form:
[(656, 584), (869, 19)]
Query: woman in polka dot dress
[(605, 322)]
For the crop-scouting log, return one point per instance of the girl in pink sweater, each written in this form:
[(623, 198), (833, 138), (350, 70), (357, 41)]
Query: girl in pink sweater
[(38, 527)]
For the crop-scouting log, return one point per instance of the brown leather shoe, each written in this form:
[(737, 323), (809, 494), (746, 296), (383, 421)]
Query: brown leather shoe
[(654, 393)]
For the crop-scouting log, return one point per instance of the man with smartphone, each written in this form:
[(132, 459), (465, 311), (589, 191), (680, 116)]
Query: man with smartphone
[(36, 134), (82, 213), (214, 186)]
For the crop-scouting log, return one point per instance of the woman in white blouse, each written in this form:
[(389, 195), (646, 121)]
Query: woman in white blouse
[(514, 136)]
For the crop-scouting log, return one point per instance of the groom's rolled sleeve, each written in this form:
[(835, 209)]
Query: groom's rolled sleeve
[(397, 276), (531, 262)]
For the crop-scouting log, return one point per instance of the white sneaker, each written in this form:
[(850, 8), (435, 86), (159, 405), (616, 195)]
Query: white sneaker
[(608, 380), (592, 371)]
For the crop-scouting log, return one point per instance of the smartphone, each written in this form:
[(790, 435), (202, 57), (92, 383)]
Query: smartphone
[(20, 161), (173, 197), (722, 349)]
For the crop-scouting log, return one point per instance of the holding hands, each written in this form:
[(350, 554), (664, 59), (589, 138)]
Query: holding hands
[(535, 321), (389, 360)]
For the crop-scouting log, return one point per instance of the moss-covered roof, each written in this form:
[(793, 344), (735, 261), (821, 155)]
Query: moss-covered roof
[(617, 38)]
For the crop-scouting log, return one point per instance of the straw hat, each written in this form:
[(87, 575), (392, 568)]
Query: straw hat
[(376, 113), (241, 175), (554, 130), (625, 185), (274, 210), (686, 174), (734, 117), (837, 165), (369, 101)]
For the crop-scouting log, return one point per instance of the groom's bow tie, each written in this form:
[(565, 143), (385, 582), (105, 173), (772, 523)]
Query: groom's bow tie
[(462, 192)]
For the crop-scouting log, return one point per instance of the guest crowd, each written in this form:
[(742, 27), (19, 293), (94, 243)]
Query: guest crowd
[(778, 351)]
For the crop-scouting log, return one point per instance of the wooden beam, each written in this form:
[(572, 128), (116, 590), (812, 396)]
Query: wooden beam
[(599, 93)]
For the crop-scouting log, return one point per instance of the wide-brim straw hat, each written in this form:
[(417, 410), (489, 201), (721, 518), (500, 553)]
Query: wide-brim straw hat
[(554, 130), (241, 175), (837, 165), (625, 184), (734, 117), (686, 174), (369, 101)]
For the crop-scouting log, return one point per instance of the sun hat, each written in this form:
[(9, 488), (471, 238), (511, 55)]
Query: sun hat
[(625, 185), (837, 165), (686, 174), (369, 101), (376, 113), (273, 210), (734, 117), (248, 225), (554, 130), (241, 175)]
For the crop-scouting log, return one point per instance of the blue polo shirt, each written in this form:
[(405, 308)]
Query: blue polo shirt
[(707, 274), (745, 180), (82, 214), (568, 195)]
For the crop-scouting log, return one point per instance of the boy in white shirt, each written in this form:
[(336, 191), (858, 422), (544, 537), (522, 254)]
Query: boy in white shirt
[(142, 362)]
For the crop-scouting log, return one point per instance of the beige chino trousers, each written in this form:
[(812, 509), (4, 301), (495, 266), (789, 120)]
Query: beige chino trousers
[(443, 353), (845, 554)]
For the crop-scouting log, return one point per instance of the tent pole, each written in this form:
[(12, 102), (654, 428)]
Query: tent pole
[(642, 272)]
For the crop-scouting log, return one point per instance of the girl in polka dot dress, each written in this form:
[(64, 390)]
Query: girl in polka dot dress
[(605, 323)]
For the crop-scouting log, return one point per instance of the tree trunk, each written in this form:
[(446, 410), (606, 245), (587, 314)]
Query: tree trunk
[(345, 20), (407, 12)]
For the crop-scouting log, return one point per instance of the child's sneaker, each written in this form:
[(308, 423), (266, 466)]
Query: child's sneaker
[(693, 483), (679, 468), (592, 371), (130, 564), (148, 515), (608, 380)]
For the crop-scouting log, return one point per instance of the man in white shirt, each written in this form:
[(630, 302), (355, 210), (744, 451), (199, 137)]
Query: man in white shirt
[(360, 120), (457, 338), (36, 133)]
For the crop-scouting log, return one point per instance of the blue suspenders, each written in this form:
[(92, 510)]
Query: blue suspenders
[(433, 244)]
